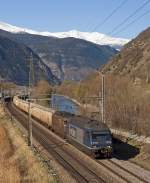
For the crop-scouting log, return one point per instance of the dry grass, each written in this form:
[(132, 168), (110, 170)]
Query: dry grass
[(17, 161), (9, 170)]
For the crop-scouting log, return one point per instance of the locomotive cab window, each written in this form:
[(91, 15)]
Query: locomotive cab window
[(101, 137)]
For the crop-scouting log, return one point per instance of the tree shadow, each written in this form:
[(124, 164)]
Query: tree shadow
[(123, 150)]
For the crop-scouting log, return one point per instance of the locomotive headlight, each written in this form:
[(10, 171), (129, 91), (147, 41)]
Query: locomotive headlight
[(109, 147)]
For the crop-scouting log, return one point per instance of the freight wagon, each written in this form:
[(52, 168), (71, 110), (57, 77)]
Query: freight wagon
[(60, 122), (40, 113)]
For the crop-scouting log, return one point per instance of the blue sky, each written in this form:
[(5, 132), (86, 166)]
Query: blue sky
[(64, 15)]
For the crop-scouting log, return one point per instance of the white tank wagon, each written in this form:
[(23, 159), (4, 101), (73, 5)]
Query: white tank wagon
[(41, 113)]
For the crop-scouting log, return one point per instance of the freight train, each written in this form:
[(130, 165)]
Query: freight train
[(90, 136)]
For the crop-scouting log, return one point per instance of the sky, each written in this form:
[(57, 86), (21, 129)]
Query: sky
[(82, 15)]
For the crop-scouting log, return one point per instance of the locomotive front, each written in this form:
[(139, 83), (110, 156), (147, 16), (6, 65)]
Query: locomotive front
[(101, 143), (94, 137)]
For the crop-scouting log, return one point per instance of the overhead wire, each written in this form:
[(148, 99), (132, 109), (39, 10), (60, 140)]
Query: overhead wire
[(129, 17), (110, 15), (132, 22)]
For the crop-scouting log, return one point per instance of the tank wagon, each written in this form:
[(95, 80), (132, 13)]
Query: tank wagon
[(90, 136)]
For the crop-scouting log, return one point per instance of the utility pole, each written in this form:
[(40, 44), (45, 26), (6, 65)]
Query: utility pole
[(1, 89), (102, 101), (29, 125), (101, 98), (31, 78)]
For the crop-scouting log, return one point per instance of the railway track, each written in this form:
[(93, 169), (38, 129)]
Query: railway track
[(122, 172), (76, 168), (138, 175)]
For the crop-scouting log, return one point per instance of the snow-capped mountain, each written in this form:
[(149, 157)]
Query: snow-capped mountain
[(94, 37)]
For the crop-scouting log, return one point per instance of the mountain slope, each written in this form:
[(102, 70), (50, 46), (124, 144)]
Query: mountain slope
[(14, 63), (68, 58), (94, 37), (134, 58)]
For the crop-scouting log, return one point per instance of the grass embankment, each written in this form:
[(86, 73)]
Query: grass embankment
[(17, 162)]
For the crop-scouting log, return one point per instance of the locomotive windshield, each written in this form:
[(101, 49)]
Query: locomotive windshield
[(101, 138)]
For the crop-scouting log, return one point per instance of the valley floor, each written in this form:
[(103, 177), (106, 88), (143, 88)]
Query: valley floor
[(17, 162)]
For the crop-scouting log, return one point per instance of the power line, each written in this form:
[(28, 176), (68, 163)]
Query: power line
[(126, 20), (132, 22), (110, 15), (130, 16)]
